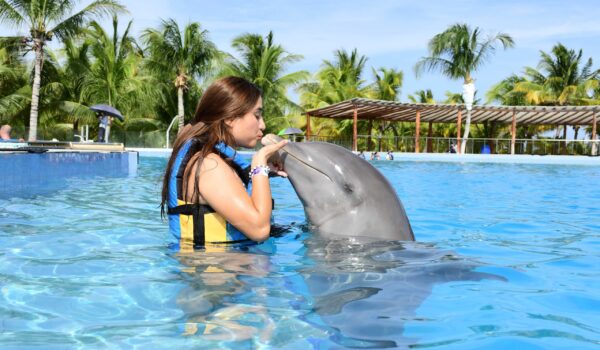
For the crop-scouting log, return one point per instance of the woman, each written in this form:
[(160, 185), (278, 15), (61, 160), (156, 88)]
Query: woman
[(205, 185)]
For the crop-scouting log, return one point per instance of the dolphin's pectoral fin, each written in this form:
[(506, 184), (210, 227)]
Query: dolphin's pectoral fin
[(478, 276), (333, 303), (457, 271)]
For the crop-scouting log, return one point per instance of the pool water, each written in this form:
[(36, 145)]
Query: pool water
[(508, 256)]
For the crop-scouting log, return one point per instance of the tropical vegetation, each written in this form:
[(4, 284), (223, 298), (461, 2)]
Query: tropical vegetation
[(161, 75), (45, 20), (458, 52)]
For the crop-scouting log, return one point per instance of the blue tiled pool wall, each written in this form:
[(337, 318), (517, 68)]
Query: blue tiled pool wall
[(30, 174)]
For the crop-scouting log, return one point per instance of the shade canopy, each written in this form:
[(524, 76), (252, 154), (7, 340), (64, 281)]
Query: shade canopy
[(107, 110), (442, 113)]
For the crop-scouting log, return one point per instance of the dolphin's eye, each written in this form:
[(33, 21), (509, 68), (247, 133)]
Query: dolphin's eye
[(348, 188)]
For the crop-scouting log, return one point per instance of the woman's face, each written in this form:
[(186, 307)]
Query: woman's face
[(248, 130)]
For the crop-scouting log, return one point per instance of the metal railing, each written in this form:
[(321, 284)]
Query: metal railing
[(158, 139), (474, 145)]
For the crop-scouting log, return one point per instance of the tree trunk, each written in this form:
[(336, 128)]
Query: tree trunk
[(180, 111), (429, 135), (380, 136), (75, 127), (491, 136), (35, 90), (395, 131), (463, 146)]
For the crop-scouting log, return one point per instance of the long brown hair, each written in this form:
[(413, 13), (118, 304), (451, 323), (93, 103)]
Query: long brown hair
[(225, 99)]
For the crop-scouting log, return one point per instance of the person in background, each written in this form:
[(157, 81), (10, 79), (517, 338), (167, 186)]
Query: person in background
[(362, 155), (452, 148), (375, 156), (389, 155), (5, 134)]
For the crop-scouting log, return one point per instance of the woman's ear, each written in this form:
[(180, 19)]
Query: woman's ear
[(230, 122)]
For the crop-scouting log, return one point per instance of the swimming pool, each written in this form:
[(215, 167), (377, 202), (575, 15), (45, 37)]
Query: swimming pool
[(508, 257)]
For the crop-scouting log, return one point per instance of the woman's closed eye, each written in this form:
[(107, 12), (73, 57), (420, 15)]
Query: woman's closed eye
[(258, 113)]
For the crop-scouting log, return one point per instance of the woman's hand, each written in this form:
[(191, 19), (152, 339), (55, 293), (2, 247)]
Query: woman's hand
[(268, 156)]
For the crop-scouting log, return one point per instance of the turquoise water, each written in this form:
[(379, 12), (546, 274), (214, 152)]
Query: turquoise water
[(508, 256)]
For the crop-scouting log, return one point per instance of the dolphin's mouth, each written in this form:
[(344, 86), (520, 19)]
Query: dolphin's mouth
[(304, 162)]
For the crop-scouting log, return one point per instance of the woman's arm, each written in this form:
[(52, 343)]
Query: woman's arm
[(223, 190)]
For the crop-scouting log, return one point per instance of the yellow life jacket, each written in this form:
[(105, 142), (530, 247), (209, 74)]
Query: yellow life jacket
[(194, 224)]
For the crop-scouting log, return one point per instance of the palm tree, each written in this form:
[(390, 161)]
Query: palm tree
[(15, 86), (506, 93), (46, 19), (342, 77), (387, 85), (457, 53), (179, 56), (115, 77), (422, 96), (338, 80), (15, 91), (263, 62), (562, 78)]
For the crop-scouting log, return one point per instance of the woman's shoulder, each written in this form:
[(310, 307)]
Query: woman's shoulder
[(215, 164), (212, 161)]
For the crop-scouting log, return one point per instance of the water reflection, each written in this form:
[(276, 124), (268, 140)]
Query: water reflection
[(212, 300), (362, 293), (347, 292)]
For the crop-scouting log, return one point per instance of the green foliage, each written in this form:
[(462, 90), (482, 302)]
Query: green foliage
[(15, 90), (338, 80), (96, 66), (387, 85), (264, 63), (178, 60), (422, 96), (562, 78), (459, 51), (114, 77), (46, 19)]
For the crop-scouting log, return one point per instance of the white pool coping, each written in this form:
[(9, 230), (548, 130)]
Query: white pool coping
[(441, 157)]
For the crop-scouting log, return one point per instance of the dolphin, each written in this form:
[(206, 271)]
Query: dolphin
[(362, 294), (343, 195)]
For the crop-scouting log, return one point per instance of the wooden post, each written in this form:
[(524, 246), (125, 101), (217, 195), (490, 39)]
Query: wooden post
[(418, 132), (355, 131), (429, 135), (594, 122), (307, 138), (513, 132), (458, 125)]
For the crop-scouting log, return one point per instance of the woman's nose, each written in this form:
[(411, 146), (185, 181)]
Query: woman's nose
[(261, 124)]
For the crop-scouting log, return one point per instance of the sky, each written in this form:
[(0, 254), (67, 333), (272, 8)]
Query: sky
[(392, 34)]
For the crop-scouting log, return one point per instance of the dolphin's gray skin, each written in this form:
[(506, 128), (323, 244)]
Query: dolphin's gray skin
[(342, 194), (362, 293)]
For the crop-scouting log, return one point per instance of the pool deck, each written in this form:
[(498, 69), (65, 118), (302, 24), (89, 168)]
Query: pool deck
[(443, 157)]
